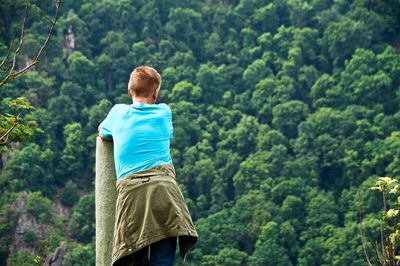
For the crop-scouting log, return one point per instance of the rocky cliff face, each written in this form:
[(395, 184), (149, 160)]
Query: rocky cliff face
[(26, 221), (70, 41), (5, 157), (58, 256)]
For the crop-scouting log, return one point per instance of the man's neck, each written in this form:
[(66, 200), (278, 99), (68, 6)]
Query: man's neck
[(143, 100)]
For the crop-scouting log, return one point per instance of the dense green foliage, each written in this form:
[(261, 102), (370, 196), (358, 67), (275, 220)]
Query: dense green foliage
[(39, 206), (282, 110), (23, 258), (70, 194), (11, 129)]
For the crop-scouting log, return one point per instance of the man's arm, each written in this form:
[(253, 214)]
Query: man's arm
[(101, 135)]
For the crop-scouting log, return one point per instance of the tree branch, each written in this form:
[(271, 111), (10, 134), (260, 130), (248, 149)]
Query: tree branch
[(21, 41), (389, 245), (7, 55), (11, 74), (361, 231), (5, 136)]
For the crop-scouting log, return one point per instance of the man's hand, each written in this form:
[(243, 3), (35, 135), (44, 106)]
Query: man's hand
[(101, 135)]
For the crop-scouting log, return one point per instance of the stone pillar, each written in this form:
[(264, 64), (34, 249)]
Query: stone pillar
[(106, 195)]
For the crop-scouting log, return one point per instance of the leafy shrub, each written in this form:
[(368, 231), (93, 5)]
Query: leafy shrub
[(80, 255), (30, 238), (39, 206), (70, 194), (22, 258), (3, 254), (82, 224)]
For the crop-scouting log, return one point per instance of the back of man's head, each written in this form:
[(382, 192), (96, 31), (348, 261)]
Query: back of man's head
[(144, 81)]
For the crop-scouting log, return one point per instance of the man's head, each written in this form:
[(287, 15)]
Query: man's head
[(144, 83)]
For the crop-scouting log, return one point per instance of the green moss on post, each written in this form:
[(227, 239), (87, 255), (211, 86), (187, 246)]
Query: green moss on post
[(106, 195)]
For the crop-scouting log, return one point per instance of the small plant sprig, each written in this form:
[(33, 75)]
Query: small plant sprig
[(11, 127), (49, 242), (387, 255)]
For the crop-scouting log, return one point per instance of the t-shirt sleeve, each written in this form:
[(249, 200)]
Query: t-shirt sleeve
[(106, 125), (171, 128), (171, 134)]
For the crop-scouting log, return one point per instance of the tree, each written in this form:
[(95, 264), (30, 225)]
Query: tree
[(266, 19), (281, 111), (212, 228), (11, 128), (82, 220), (186, 129), (266, 140), (343, 246), (82, 69), (182, 24), (80, 254), (251, 173), (268, 250), (343, 37), (250, 213), (22, 258), (287, 117), (359, 84), (70, 194), (38, 88), (39, 206), (255, 72), (213, 81), (73, 155), (321, 211), (30, 237), (319, 91), (225, 256), (8, 71), (30, 169), (312, 252), (185, 91), (242, 138), (292, 208)]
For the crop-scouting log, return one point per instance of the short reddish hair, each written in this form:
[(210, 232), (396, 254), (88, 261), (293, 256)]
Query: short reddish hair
[(144, 81)]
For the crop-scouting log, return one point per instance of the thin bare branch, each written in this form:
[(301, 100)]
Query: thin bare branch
[(8, 54), (23, 71), (42, 13), (35, 60), (375, 248), (395, 235), (361, 231), (8, 68), (389, 245), (50, 31), (21, 40), (7, 134), (382, 242)]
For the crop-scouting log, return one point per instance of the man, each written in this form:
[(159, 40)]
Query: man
[(150, 212)]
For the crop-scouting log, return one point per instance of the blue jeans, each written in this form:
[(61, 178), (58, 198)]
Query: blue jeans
[(162, 253)]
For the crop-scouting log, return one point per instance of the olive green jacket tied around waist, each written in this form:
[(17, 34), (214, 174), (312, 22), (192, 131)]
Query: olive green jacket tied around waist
[(150, 207)]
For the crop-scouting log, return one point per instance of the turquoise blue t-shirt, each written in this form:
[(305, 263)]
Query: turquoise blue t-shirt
[(141, 134)]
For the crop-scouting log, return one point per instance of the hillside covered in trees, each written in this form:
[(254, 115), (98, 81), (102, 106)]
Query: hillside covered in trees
[(282, 111)]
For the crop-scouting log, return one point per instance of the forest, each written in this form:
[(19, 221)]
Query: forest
[(282, 111)]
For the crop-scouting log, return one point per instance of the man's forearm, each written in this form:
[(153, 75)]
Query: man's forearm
[(101, 135)]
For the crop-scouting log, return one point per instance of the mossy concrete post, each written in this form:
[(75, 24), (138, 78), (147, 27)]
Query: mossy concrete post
[(106, 196)]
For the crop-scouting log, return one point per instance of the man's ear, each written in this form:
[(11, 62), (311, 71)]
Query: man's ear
[(129, 92), (155, 94)]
